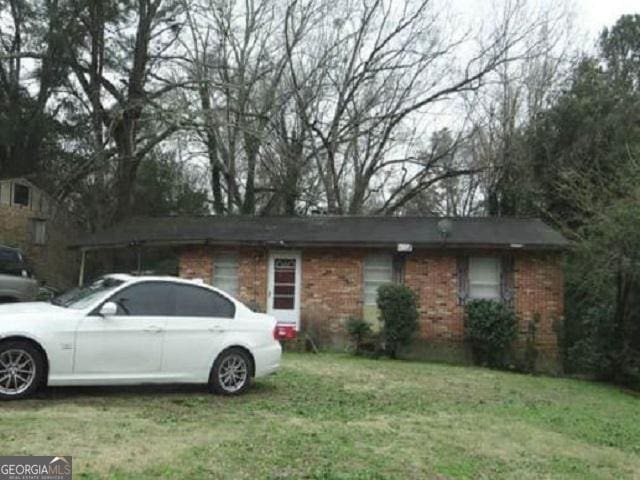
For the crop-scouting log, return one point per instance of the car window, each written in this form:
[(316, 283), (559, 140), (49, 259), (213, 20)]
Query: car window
[(11, 262), (7, 255), (202, 302), (146, 299)]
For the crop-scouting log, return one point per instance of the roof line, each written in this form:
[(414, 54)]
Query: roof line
[(300, 244), (346, 216)]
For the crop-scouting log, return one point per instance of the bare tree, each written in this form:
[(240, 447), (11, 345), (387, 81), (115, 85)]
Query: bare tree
[(306, 97), (515, 95), (236, 57), (377, 68), (455, 196)]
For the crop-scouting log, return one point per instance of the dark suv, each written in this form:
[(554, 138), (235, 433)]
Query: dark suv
[(16, 280)]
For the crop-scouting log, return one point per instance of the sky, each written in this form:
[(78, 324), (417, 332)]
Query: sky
[(587, 17), (597, 14)]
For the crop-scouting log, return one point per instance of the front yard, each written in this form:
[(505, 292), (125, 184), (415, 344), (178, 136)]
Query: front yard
[(337, 417)]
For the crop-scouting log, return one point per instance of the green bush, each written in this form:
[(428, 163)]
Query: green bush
[(360, 335), (490, 329), (399, 315)]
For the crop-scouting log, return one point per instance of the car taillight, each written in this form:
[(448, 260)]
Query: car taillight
[(284, 332)]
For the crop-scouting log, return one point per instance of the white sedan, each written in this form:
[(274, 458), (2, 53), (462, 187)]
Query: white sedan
[(125, 330)]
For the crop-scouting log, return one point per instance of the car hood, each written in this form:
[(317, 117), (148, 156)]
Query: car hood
[(35, 319), (26, 308)]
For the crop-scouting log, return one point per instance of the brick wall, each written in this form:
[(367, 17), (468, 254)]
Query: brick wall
[(53, 262), (433, 276), (539, 284), (332, 290), (198, 262), (252, 277)]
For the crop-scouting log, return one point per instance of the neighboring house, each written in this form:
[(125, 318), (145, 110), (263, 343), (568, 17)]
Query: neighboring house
[(31, 221), (319, 271)]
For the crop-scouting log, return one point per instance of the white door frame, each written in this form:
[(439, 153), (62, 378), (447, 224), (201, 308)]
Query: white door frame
[(286, 317)]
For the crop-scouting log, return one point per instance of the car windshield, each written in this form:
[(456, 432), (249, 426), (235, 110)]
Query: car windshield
[(82, 297)]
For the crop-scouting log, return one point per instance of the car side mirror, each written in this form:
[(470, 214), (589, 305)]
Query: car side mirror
[(108, 309)]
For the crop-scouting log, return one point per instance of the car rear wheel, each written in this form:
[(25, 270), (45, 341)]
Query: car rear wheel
[(22, 368), (231, 372)]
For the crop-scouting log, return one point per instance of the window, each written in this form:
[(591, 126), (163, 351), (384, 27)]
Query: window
[(378, 270), (225, 273), (20, 195), (201, 302), (39, 232), (151, 299), (484, 278), (5, 193)]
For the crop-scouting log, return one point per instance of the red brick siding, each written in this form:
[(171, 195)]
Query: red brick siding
[(196, 262), (539, 285), (538, 282), (252, 277), (332, 284), (332, 289), (434, 278)]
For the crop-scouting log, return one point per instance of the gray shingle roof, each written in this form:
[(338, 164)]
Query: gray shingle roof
[(476, 232)]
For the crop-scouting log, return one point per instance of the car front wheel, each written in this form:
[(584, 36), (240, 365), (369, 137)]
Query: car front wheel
[(21, 370), (231, 373)]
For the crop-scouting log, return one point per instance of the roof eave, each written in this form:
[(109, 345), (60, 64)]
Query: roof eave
[(284, 244)]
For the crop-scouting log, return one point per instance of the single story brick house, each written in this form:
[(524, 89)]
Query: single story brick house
[(316, 272)]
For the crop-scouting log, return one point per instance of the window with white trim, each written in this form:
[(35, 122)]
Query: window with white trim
[(225, 272), (484, 278), (39, 231), (378, 270)]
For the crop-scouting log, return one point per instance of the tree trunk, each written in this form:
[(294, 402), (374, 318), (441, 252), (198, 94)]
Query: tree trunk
[(127, 171)]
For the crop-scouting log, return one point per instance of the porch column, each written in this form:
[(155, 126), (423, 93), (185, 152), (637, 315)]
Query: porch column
[(83, 260)]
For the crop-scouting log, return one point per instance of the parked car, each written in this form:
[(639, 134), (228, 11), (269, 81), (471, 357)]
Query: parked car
[(123, 330), (16, 280)]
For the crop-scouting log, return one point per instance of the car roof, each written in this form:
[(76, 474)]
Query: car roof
[(133, 279), (125, 277)]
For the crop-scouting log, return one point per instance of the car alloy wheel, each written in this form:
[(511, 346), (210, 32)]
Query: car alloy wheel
[(233, 373), (18, 372)]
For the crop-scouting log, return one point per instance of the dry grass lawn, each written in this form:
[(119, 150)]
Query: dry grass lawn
[(337, 417)]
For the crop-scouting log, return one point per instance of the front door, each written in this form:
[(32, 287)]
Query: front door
[(283, 295)]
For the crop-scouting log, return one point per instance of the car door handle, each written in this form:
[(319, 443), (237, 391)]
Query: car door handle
[(153, 329), (216, 329)]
